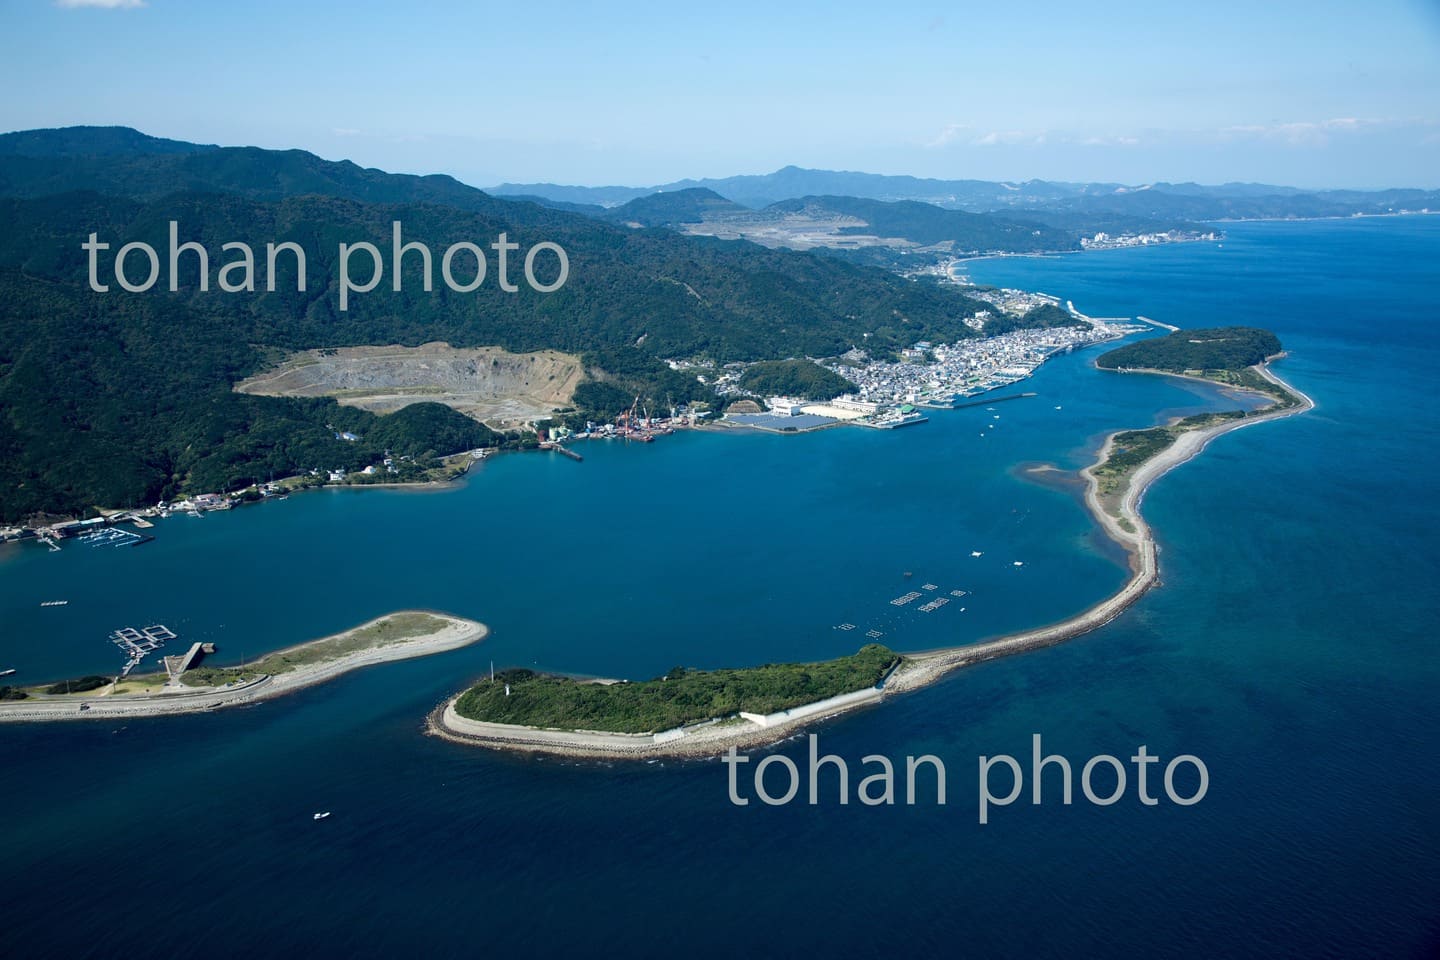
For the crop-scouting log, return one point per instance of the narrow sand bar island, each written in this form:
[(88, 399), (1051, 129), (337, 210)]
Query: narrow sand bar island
[(395, 636), (1127, 463)]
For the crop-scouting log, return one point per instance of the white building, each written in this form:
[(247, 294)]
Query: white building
[(785, 406), (859, 406)]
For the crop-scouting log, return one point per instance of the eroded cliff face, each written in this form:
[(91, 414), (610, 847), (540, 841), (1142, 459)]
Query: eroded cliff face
[(487, 383)]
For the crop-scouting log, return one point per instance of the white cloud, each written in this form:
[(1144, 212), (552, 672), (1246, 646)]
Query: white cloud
[(964, 134), (1008, 138), (1099, 141), (948, 135), (102, 4), (1303, 132)]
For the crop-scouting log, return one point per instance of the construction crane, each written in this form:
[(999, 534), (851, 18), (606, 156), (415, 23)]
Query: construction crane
[(629, 418)]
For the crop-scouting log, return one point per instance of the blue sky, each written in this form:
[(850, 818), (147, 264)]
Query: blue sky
[(1312, 94)]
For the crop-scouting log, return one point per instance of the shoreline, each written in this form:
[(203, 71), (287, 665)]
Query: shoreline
[(460, 465), (456, 633), (711, 738), (130, 515), (1138, 543), (702, 740)]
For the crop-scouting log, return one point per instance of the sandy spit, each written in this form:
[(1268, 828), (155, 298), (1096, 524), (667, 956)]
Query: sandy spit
[(456, 633), (917, 670)]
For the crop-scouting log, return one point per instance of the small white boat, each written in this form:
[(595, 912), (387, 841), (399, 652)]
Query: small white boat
[(1057, 408), (6, 673), (976, 553), (1018, 563), (322, 815)]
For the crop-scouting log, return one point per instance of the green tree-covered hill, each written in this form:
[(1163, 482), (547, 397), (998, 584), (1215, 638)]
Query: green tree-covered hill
[(116, 398), (803, 379), (1217, 348)]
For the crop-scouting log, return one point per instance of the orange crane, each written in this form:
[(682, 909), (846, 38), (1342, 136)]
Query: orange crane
[(627, 419)]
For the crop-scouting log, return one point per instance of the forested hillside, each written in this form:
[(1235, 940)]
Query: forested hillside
[(1218, 348), (119, 398)]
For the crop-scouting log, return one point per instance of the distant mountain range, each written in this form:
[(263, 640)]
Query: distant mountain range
[(1158, 201), (840, 223)]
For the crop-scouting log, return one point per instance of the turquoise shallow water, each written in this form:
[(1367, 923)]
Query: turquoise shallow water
[(1290, 648)]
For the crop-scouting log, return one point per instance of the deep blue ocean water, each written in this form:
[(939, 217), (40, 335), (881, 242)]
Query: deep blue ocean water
[(1290, 648)]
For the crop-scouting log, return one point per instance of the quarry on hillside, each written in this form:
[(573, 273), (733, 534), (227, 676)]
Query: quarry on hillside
[(492, 385)]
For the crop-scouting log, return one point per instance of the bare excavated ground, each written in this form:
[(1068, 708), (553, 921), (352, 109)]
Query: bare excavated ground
[(803, 229), (492, 385)]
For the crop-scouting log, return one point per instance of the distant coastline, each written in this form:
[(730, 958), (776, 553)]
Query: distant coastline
[(1121, 520)]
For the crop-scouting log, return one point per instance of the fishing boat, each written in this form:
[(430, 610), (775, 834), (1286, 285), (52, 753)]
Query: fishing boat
[(322, 815)]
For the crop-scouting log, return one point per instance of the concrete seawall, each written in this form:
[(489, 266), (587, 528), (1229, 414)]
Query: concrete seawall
[(707, 738), (841, 701)]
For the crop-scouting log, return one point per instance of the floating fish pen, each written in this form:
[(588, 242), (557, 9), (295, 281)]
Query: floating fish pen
[(907, 598), (845, 626), (113, 537), (137, 643), (934, 605)]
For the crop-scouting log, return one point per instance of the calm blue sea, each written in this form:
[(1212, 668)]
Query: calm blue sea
[(1290, 648)]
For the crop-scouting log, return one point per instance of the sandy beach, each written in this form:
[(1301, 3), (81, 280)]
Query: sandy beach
[(455, 633), (917, 670)]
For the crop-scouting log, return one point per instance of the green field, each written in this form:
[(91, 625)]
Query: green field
[(681, 696)]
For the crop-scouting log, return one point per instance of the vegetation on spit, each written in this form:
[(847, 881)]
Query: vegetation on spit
[(383, 632), (1224, 355), (79, 685), (1196, 351), (391, 629), (679, 697)]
